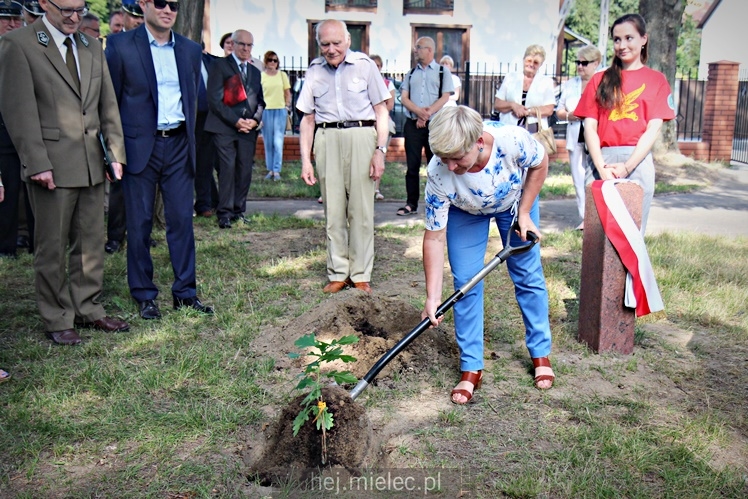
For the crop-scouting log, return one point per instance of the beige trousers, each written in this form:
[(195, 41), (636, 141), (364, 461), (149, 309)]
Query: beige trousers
[(343, 157)]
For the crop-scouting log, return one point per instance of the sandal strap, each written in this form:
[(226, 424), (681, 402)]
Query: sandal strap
[(462, 392), (541, 362), (471, 377)]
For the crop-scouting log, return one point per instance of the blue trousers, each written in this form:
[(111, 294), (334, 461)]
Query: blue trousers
[(169, 169), (273, 132), (467, 239)]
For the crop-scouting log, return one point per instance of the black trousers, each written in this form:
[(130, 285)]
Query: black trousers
[(116, 221), (206, 192), (236, 157), (416, 140), (10, 166)]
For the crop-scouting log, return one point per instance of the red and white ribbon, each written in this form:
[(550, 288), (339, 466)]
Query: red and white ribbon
[(642, 292)]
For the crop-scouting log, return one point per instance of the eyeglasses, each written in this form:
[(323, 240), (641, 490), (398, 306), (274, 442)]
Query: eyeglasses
[(583, 63), (419, 47), (161, 5), (272, 60), (243, 45), (81, 11)]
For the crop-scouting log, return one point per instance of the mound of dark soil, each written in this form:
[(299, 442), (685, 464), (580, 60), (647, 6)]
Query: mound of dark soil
[(288, 458), (378, 321)]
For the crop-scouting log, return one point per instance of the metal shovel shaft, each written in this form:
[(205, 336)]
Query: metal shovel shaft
[(440, 311)]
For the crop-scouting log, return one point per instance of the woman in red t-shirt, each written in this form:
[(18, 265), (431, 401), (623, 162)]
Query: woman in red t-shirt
[(623, 110)]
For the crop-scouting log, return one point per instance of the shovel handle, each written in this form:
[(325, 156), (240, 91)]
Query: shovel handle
[(441, 310)]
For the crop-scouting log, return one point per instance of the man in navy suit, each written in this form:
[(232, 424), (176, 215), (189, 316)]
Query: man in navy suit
[(234, 126), (156, 74)]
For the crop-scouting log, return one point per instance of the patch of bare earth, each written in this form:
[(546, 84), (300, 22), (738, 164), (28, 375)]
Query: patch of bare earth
[(410, 422)]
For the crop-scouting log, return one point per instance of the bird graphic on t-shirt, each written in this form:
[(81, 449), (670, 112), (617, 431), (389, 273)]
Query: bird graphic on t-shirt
[(627, 108)]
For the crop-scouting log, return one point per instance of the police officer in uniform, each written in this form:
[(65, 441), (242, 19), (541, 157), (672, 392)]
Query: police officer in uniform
[(31, 11)]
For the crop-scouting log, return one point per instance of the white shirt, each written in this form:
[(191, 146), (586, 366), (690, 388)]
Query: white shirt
[(493, 189), (59, 38)]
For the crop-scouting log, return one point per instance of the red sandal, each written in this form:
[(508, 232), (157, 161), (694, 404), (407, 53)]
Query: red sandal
[(543, 372), (475, 378)]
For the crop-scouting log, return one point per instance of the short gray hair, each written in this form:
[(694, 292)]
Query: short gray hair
[(454, 131), (318, 28)]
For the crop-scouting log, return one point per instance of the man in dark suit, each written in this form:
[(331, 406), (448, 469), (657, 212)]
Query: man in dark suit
[(62, 72), (206, 192), (158, 110), (10, 166), (234, 126)]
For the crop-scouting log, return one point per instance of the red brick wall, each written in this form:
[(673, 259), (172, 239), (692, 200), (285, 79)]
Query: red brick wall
[(720, 106)]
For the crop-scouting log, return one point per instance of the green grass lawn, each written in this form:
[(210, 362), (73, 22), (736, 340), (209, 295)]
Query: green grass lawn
[(167, 410)]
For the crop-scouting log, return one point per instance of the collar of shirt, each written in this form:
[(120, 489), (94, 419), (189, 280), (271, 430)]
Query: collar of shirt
[(153, 41), (433, 65), (239, 62), (58, 36)]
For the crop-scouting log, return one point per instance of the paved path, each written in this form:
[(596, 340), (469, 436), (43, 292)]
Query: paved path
[(721, 209)]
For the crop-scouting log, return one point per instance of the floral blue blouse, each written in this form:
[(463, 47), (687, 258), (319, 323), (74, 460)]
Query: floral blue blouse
[(493, 189)]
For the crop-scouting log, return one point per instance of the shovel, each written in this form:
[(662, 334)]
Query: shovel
[(500, 257)]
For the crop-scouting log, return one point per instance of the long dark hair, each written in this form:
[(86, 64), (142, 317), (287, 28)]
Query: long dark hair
[(610, 92)]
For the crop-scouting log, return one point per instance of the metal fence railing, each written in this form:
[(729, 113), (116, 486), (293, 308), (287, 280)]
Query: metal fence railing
[(740, 139), (480, 82)]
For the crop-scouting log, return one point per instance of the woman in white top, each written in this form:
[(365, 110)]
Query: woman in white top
[(449, 63), (588, 59), (521, 94)]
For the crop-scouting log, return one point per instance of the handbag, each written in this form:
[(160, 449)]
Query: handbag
[(545, 135)]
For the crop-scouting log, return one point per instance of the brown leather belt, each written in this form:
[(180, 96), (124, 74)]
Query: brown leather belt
[(347, 124), (172, 131)]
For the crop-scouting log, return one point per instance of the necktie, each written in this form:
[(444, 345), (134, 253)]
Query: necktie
[(70, 62), (243, 67)]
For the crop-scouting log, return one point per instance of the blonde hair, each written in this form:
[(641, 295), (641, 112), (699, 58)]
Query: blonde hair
[(447, 60), (589, 53), (454, 131), (534, 50)]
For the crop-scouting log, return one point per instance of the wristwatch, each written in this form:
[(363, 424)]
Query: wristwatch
[(383, 149)]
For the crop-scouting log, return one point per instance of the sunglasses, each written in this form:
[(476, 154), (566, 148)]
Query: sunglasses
[(272, 60), (583, 63), (161, 5)]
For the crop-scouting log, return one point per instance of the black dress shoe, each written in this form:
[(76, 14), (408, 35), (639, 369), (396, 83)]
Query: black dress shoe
[(192, 303), (149, 310), (112, 246), (240, 218), (224, 223)]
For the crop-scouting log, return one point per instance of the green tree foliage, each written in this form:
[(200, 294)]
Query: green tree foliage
[(584, 19), (689, 45)]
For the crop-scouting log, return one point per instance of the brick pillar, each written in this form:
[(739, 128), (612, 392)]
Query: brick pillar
[(604, 322), (720, 105)]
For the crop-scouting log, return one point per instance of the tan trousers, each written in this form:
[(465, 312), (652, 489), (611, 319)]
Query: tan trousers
[(69, 235), (343, 157)]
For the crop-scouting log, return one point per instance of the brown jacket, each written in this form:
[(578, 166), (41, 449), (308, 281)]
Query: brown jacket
[(53, 125)]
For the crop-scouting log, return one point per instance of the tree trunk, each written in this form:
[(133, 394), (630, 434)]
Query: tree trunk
[(190, 19), (663, 19)]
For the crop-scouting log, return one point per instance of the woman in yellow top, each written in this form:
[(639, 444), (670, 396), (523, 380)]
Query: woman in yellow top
[(276, 91)]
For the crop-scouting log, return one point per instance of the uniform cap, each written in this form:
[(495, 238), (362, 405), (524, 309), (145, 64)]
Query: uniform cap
[(10, 8), (132, 8), (33, 7)]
